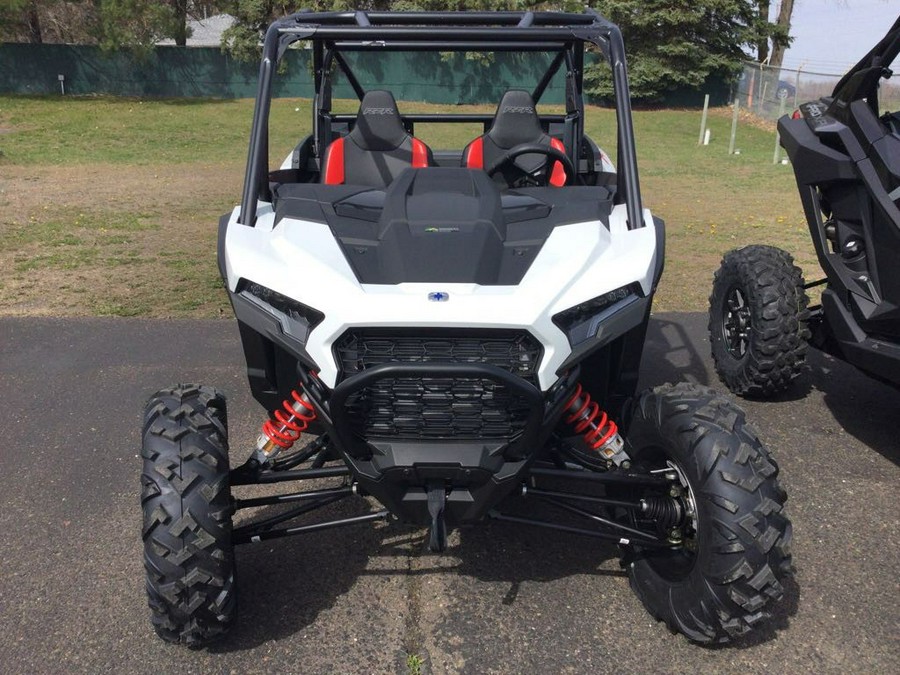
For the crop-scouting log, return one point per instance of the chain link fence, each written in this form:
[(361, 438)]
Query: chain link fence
[(770, 92)]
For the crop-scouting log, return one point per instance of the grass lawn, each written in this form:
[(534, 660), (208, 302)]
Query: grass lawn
[(110, 206)]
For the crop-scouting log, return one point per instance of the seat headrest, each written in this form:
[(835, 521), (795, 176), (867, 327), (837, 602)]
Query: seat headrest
[(378, 124), (516, 121)]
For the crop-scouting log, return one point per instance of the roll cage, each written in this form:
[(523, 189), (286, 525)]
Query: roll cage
[(862, 80), (334, 33)]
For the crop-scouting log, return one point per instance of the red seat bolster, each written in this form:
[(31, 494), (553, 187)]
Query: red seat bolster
[(558, 176), (419, 154), (475, 154), (334, 163)]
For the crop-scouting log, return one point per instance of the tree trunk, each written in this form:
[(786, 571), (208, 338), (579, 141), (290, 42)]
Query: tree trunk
[(784, 19), (34, 25), (762, 47), (180, 35)]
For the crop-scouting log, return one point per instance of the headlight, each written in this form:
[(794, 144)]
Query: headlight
[(296, 318), (582, 322)]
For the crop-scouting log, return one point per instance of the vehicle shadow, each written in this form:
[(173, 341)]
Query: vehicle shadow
[(864, 407), (513, 553), (298, 578), (670, 355), (285, 584)]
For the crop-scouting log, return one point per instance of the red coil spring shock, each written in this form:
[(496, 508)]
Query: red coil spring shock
[(600, 434), (281, 433)]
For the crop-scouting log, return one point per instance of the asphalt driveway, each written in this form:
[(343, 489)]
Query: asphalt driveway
[(502, 599)]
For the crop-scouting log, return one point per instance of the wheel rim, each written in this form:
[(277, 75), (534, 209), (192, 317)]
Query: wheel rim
[(675, 563), (736, 323)]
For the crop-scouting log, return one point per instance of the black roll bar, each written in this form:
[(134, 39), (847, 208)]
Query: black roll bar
[(348, 72), (548, 76), (449, 46), (388, 30)]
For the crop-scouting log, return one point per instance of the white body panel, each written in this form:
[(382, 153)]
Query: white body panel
[(302, 260)]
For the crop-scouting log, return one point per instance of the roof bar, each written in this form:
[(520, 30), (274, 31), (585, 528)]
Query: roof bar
[(478, 33), (421, 46), (442, 19)]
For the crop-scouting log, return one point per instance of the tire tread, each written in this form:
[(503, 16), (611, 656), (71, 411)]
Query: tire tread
[(773, 286), (186, 502), (748, 534)]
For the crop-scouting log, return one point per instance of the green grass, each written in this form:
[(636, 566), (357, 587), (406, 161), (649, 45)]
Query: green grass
[(71, 130), (111, 204), (414, 664)]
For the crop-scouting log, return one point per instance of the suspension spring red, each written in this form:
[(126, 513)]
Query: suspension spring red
[(584, 415), (289, 423)]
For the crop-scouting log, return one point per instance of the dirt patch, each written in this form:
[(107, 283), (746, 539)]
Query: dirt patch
[(143, 188), (107, 239), (745, 117)]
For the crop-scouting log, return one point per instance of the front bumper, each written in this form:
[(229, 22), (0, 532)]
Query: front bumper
[(476, 474)]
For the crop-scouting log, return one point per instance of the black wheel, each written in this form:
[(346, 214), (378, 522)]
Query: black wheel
[(733, 540), (186, 499), (758, 321)]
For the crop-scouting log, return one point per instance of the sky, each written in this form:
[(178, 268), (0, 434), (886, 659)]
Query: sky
[(830, 36)]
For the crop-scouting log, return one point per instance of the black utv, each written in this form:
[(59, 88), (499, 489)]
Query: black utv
[(845, 152)]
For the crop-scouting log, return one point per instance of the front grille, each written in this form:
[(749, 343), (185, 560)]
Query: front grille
[(438, 407)]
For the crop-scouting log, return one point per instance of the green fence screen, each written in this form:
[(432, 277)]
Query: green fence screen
[(208, 72)]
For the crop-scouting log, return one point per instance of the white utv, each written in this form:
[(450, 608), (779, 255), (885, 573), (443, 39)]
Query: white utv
[(448, 332)]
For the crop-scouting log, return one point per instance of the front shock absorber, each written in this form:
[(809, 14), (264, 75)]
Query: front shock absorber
[(599, 432), (291, 420)]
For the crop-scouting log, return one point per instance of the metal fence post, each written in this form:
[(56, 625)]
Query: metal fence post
[(777, 156), (703, 119), (734, 121)]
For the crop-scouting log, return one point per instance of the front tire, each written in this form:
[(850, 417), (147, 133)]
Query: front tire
[(758, 320), (186, 500), (720, 584)]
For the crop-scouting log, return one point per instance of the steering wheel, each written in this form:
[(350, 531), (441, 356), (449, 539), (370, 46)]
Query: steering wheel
[(540, 177)]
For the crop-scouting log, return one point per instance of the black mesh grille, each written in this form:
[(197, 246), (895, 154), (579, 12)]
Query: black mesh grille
[(438, 407)]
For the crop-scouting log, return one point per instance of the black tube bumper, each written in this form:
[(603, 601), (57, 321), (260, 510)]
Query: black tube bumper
[(477, 474)]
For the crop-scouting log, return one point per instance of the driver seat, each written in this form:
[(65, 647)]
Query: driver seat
[(378, 148), (515, 122)]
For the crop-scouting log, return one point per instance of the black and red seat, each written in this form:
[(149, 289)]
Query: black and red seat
[(515, 123), (377, 149)]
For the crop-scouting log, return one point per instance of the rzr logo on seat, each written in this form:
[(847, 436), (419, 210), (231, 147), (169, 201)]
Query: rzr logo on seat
[(518, 109), (814, 109), (378, 111)]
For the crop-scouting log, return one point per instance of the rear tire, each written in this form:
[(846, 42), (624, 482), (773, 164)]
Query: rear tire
[(186, 500), (720, 584), (758, 320)]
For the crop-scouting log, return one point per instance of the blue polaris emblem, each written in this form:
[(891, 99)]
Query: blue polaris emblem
[(438, 296)]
